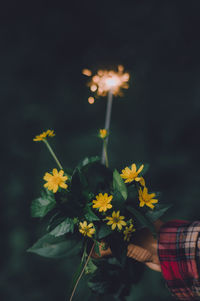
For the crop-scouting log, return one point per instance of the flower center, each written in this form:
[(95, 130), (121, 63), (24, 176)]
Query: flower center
[(116, 220), (56, 180), (87, 230)]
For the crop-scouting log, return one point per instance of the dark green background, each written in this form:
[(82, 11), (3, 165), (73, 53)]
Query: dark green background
[(44, 47)]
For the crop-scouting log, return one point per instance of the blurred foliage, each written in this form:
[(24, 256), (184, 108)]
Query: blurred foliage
[(44, 48)]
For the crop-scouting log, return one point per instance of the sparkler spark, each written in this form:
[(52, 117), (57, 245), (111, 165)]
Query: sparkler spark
[(91, 100), (108, 80)]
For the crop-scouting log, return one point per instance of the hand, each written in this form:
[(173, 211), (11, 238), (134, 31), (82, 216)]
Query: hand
[(139, 254)]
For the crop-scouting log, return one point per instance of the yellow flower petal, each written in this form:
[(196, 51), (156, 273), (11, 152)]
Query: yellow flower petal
[(113, 226), (63, 185), (133, 167), (86, 230), (146, 199), (110, 222), (123, 223), (102, 202), (150, 205), (61, 172), (152, 195), (141, 168), (145, 190), (142, 181), (55, 180), (55, 172), (84, 224), (119, 226), (130, 175), (43, 136), (47, 176), (55, 188)]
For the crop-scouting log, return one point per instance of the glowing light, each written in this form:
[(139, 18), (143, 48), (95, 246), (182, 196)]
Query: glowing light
[(112, 81), (93, 88), (87, 72), (109, 80), (91, 100), (95, 78)]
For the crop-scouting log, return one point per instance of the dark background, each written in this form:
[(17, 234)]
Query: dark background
[(44, 47)]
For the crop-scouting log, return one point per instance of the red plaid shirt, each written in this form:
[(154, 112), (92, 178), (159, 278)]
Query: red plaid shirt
[(179, 254)]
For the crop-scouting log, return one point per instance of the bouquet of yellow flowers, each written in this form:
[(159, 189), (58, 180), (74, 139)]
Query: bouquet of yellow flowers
[(91, 205)]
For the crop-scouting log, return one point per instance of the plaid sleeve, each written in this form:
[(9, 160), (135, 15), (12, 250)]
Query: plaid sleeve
[(179, 254)]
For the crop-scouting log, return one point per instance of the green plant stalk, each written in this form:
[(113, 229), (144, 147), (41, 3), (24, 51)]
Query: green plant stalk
[(107, 122), (77, 273), (105, 152), (52, 153), (81, 274)]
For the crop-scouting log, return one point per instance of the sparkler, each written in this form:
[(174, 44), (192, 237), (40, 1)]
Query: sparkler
[(107, 83)]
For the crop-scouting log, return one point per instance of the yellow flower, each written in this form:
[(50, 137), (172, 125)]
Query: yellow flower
[(142, 181), (128, 231), (86, 229), (116, 220), (130, 175), (147, 199), (44, 135), (103, 133), (102, 202), (55, 180)]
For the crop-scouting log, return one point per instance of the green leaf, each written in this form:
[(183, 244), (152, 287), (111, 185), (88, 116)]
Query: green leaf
[(41, 206), (76, 183), (97, 248), (65, 227), (119, 185), (88, 195), (157, 212), (142, 219), (79, 186), (55, 220), (98, 287), (78, 271), (106, 279), (118, 247), (90, 215), (132, 192), (99, 177), (117, 201), (104, 231), (91, 267), (56, 247), (88, 160)]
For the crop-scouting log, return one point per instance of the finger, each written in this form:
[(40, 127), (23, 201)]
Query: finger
[(134, 255)]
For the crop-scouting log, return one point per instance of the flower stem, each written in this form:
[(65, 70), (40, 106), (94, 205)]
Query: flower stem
[(105, 152), (107, 123), (52, 153), (81, 274)]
